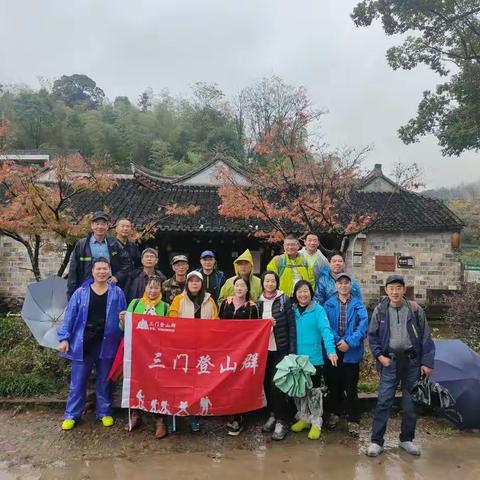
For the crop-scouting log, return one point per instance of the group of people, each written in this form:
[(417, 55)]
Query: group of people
[(315, 307)]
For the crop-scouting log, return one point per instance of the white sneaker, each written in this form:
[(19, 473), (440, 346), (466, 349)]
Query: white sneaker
[(374, 450), (280, 431), (269, 425), (410, 448)]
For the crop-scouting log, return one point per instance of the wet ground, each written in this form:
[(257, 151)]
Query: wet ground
[(32, 446)]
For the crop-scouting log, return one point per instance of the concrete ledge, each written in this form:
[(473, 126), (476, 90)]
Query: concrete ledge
[(367, 401)]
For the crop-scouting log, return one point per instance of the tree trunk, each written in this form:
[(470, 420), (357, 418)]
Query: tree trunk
[(66, 259)]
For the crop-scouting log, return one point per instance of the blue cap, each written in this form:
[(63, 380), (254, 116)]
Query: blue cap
[(343, 275), (207, 253)]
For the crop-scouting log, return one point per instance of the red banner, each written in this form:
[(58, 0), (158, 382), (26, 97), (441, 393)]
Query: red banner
[(178, 366)]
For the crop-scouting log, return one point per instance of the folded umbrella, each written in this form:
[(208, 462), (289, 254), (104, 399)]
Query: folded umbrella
[(457, 368), (293, 375), (43, 309)]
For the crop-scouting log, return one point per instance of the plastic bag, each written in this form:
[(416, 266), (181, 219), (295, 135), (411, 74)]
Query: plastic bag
[(431, 395)]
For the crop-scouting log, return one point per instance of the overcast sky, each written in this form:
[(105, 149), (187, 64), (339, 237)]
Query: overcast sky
[(126, 46)]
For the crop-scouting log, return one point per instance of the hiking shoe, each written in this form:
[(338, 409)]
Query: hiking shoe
[(68, 424), (374, 450), (280, 431), (410, 448), (269, 425), (195, 424), (234, 428), (107, 421), (299, 426), (160, 429), (135, 421), (353, 429), (332, 421), (314, 433)]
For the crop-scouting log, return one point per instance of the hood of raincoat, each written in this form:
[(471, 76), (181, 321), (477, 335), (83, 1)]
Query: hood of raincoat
[(246, 255)]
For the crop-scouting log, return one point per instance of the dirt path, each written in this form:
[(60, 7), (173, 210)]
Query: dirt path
[(33, 446)]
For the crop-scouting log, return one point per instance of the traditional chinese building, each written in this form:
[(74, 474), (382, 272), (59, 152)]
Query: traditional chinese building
[(414, 235)]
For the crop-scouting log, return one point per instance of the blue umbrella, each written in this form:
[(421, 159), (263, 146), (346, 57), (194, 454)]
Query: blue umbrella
[(457, 368)]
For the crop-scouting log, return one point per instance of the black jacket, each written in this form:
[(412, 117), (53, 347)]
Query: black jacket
[(227, 311), (285, 331), (135, 285), (134, 253), (81, 263)]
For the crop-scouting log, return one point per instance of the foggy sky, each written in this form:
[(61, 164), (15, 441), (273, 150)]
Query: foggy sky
[(127, 46)]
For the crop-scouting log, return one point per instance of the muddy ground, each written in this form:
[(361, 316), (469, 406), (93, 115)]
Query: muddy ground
[(32, 446)]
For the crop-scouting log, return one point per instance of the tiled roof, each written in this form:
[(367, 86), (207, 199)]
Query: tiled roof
[(404, 211), (143, 199)]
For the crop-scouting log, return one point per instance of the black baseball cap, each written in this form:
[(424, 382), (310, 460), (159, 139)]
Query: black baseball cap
[(99, 215), (394, 279)]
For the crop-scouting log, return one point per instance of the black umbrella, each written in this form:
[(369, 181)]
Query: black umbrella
[(43, 309), (457, 368)]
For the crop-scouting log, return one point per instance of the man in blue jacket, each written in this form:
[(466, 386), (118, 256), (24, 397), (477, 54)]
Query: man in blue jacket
[(348, 318), (89, 336), (97, 244), (401, 342), (325, 281), (213, 278)]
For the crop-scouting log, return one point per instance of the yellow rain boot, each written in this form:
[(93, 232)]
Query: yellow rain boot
[(314, 433), (299, 426), (107, 421), (68, 424)]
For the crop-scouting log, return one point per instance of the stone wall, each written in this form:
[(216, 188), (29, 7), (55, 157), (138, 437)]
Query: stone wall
[(436, 265), (16, 270)]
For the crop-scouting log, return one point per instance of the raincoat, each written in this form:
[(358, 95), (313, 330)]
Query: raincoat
[(325, 287), (284, 267), (75, 319), (255, 283)]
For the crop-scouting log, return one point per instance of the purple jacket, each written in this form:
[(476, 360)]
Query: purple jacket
[(75, 319)]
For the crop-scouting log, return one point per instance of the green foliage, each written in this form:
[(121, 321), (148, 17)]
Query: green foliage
[(471, 256), (26, 368), (78, 89), (441, 33), (469, 212), (164, 133), (463, 315)]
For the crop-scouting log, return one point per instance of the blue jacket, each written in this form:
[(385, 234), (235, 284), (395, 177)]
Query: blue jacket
[(217, 279), (325, 286), (75, 319), (313, 329), (417, 328), (355, 328)]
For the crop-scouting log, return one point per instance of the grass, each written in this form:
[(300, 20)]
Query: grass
[(26, 369)]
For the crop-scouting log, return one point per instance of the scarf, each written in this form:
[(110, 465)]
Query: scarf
[(149, 303)]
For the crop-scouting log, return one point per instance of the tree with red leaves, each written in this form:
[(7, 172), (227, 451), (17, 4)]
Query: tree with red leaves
[(37, 213), (294, 189)]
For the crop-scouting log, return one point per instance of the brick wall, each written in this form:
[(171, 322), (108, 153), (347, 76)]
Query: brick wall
[(16, 270), (437, 265)]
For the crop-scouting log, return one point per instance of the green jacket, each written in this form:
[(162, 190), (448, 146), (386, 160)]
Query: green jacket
[(255, 283), (137, 306), (285, 268)]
